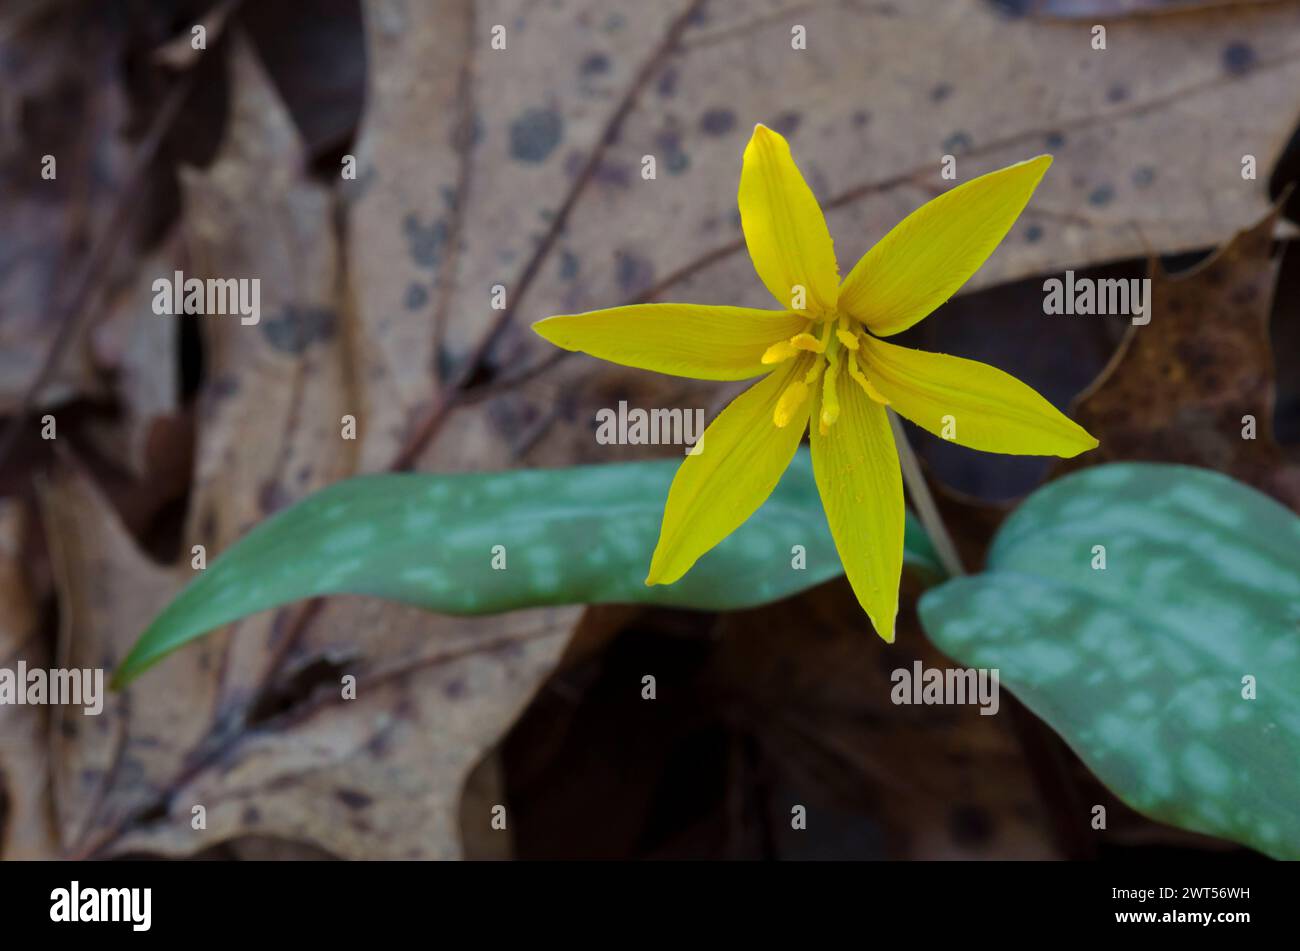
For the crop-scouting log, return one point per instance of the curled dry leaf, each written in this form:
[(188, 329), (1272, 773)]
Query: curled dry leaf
[(1196, 384)]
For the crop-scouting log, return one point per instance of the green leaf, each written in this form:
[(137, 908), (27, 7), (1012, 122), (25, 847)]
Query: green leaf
[(1140, 666), (570, 536)]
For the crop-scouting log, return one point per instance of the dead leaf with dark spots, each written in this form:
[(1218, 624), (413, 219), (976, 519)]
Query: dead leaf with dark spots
[(872, 157)]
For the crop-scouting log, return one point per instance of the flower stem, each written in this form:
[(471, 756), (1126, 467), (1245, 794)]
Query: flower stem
[(923, 501)]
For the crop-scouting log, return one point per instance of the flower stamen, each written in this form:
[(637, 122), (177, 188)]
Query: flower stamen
[(860, 378), (803, 342), (846, 335), (792, 398), (830, 397), (779, 352), (806, 341), (814, 374)]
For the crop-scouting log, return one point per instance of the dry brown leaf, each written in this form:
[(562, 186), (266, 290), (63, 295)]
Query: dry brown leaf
[(141, 351), (466, 157), (1115, 8), (26, 823), (378, 777), (180, 53), (1171, 105), (401, 209), (756, 712), (550, 202), (238, 714), (944, 782), (269, 420), (59, 97), (108, 765), (1180, 388)]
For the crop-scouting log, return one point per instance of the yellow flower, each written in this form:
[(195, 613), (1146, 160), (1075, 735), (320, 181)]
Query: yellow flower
[(825, 360)]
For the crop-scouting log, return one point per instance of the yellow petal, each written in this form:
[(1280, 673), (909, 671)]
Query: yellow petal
[(985, 408), (740, 464), (935, 250), (706, 343), (856, 465), (784, 227)]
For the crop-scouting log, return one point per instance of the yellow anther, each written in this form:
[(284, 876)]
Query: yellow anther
[(791, 399), (846, 333), (830, 398), (779, 352), (861, 379), (807, 341), (874, 393)]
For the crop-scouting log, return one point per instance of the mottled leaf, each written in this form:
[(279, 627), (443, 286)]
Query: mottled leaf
[(484, 543), (1142, 666)]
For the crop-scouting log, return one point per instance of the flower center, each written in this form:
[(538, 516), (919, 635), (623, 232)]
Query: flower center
[(837, 346)]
